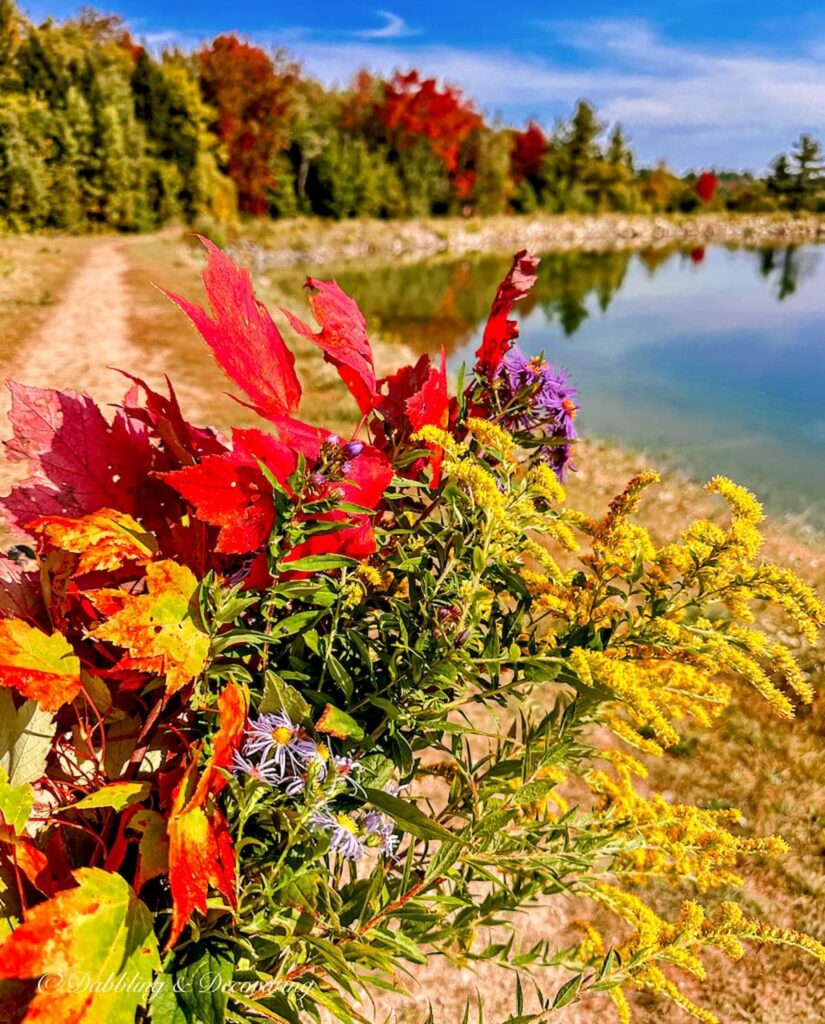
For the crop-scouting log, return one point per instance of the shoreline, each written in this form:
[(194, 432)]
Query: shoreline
[(294, 242)]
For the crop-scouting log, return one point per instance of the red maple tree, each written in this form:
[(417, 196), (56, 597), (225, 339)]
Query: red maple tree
[(253, 100)]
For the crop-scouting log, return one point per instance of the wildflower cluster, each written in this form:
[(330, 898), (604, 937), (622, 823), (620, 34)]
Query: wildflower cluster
[(298, 710)]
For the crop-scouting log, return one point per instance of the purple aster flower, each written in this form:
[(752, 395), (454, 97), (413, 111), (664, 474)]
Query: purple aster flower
[(267, 772), (343, 833), (379, 833), (543, 401), (279, 741)]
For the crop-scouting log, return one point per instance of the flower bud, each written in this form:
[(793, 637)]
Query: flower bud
[(352, 449)]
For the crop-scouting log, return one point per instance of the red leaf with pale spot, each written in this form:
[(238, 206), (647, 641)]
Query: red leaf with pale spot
[(245, 342), (232, 492), (343, 337), (501, 332)]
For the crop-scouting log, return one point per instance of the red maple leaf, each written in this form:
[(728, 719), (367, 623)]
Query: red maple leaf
[(501, 332), (232, 492), (430, 406), (78, 462), (245, 342), (183, 441), (201, 853), (343, 337)]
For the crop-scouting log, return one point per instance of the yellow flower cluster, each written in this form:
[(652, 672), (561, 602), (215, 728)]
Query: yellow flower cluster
[(543, 483), (441, 439), (672, 840), (653, 693), (655, 944), (491, 436)]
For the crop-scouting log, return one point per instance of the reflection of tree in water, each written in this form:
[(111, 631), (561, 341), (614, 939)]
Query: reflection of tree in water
[(568, 280), (445, 301), (787, 267)]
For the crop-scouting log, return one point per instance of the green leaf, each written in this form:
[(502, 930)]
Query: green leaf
[(117, 795), (339, 724), (406, 814), (196, 991), (280, 696), (292, 624), (16, 802), (533, 791), (317, 563), (375, 770), (568, 992), (26, 735), (339, 674)]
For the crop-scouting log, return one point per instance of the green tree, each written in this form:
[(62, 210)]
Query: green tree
[(807, 159)]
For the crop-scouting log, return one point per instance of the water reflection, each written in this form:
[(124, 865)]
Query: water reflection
[(785, 268), (443, 302), (714, 357)]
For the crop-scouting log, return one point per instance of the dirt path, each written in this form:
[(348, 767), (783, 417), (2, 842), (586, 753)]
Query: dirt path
[(86, 333)]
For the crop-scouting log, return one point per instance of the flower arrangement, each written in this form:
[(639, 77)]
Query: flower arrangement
[(290, 711)]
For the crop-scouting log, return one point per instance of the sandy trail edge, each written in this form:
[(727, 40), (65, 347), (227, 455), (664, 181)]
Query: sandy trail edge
[(86, 333)]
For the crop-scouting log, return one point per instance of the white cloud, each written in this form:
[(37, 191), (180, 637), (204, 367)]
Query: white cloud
[(394, 27), (697, 105)]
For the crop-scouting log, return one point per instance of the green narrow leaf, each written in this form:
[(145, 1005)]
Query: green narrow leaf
[(406, 814), (568, 992), (280, 696), (317, 563)]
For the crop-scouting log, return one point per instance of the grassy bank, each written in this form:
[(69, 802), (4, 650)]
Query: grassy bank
[(266, 244)]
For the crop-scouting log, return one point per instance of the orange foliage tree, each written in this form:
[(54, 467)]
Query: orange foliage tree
[(414, 107), (252, 95)]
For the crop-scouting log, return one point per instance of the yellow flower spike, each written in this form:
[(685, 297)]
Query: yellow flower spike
[(743, 504), (627, 502), (619, 999), (369, 574), (490, 435), (482, 487), (544, 482), (592, 946), (682, 1001), (540, 554), (435, 435)]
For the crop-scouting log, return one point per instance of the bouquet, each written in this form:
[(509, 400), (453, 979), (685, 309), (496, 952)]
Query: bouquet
[(283, 715)]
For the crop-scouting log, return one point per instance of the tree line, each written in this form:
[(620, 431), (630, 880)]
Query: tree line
[(96, 131)]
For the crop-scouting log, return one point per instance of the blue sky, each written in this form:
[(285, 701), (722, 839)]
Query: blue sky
[(727, 83)]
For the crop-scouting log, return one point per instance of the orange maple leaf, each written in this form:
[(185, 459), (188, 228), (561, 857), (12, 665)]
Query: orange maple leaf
[(160, 629), (201, 853), (41, 666), (103, 540), (99, 930)]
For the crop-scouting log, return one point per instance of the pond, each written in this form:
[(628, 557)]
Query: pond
[(710, 359)]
